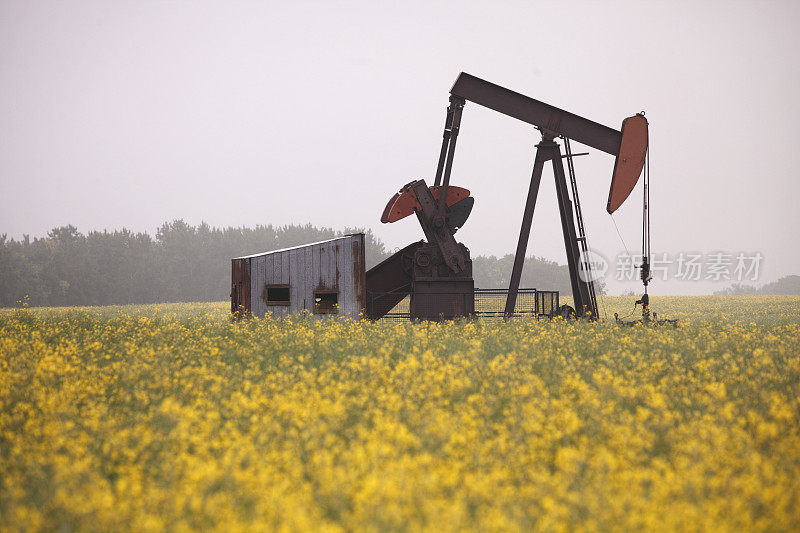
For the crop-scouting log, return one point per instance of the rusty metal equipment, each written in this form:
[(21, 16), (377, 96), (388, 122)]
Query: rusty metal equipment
[(437, 274)]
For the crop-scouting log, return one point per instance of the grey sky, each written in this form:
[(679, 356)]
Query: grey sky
[(129, 114)]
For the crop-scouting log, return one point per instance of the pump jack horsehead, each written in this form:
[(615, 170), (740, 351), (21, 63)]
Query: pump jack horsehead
[(437, 274)]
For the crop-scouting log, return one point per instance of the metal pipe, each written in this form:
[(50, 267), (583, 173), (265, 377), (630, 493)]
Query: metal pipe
[(525, 229), (458, 105), (448, 125)]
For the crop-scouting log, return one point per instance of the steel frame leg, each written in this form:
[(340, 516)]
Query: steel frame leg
[(448, 124), (580, 289), (542, 155), (452, 124)]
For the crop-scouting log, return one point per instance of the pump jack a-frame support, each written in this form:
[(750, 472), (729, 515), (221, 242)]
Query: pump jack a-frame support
[(582, 291)]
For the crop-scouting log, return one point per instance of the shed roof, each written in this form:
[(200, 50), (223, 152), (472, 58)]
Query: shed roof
[(300, 246)]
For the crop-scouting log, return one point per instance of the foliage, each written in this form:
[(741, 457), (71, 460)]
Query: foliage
[(174, 417), (785, 285), (184, 263), (538, 272)]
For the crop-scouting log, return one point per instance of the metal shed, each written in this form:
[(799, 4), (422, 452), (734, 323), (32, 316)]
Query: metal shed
[(323, 278)]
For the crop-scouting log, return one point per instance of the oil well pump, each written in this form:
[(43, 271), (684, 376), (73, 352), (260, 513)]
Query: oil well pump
[(437, 273)]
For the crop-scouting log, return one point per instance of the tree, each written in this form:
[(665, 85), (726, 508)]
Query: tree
[(186, 263)]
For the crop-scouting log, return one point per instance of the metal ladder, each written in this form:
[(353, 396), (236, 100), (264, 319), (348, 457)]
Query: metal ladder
[(586, 264)]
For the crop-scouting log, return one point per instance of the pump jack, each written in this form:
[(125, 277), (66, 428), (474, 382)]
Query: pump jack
[(438, 274)]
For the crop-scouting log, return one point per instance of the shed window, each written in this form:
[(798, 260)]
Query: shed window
[(276, 294), (326, 301)]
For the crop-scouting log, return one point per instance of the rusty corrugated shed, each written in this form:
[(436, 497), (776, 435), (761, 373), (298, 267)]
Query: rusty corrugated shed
[(332, 267)]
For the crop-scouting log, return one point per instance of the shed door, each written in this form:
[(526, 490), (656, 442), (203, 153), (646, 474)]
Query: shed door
[(240, 286)]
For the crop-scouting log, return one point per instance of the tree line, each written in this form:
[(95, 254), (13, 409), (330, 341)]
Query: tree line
[(785, 285), (184, 263)]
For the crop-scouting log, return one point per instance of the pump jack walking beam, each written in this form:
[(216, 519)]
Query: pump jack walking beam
[(543, 116)]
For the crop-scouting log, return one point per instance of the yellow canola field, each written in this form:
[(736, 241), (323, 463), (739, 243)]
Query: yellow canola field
[(172, 417)]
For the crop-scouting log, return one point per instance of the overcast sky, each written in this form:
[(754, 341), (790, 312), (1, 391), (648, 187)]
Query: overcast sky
[(129, 114)]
